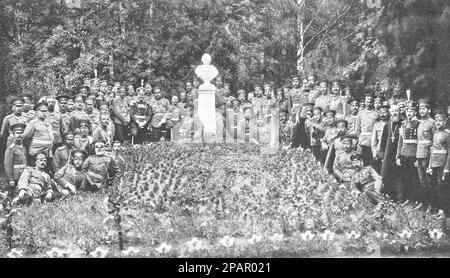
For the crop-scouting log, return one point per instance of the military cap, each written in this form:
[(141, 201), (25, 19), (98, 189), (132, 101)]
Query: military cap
[(40, 104), (385, 106), (157, 87), (424, 102), (17, 127), (62, 96), (341, 121), (411, 104), (309, 104), (318, 108), (287, 85), (95, 81), (15, 100), (247, 106), (83, 153), (28, 96), (240, 91), (99, 140), (140, 89), (440, 114), (257, 85), (347, 137), (117, 84), (332, 112), (85, 123), (280, 89), (226, 84), (385, 103), (295, 77), (103, 83), (91, 96), (86, 82), (77, 96), (84, 87)]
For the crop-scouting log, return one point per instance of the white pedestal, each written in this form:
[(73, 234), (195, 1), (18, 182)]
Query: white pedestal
[(206, 111)]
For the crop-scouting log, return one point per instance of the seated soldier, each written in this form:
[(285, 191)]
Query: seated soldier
[(34, 182), (366, 180), (83, 141), (70, 178), (100, 169), (343, 169), (105, 131), (62, 154)]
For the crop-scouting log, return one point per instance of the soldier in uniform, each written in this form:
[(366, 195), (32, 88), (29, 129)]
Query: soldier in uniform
[(378, 102), (100, 169), (286, 129), (324, 99), (377, 152), (55, 120), (38, 135), (70, 177), (338, 102), (63, 111), (352, 118), (78, 115), (366, 180), (34, 182), (105, 131), (295, 97), (70, 108), (62, 154), (406, 152), (27, 110), (121, 116), (92, 113), (10, 120), (330, 133), (343, 168), (316, 132), (15, 157), (439, 165), (160, 122), (83, 141), (141, 114), (364, 127), (424, 142), (282, 101)]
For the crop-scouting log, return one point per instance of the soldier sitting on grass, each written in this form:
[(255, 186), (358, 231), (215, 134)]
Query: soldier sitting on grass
[(70, 178), (34, 182), (366, 180)]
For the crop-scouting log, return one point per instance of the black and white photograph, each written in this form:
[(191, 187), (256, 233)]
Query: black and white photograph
[(224, 129)]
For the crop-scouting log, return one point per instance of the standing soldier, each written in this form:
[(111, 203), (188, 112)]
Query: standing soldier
[(92, 113), (160, 121), (15, 157), (294, 97), (338, 102), (27, 110), (424, 142), (63, 111), (10, 120), (62, 154), (352, 118), (105, 131), (141, 114), (82, 141), (282, 101), (377, 152), (55, 120), (407, 150), (100, 169), (439, 165), (316, 132), (38, 135), (323, 101), (286, 129), (78, 115), (330, 133), (121, 115), (364, 127)]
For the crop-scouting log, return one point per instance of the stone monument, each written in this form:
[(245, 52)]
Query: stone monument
[(206, 110)]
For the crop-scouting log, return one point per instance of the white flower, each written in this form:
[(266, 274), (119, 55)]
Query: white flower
[(306, 236), (405, 233), (195, 244), (254, 239), (164, 248), (436, 234), (381, 235), (55, 252), (130, 251), (15, 253), (99, 252), (354, 234), (328, 235), (276, 237), (227, 241)]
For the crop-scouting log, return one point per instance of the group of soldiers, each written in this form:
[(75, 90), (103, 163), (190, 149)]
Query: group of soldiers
[(70, 141)]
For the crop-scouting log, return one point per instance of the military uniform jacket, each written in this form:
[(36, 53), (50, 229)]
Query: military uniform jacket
[(121, 113), (313, 95), (34, 182), (440, 150), (376, 139), (366, 178), (407, 142), (342, 166), (424, 137), (69, 175), (29, 116), (55, 120), (323, 102), (140, 112), (94, 118), (15, 161), (61, 157), (351, 120), (8, 121), (161, 109), (65, 118), (106, 135), (286, 132), (38, 136), (315, 130), (84, 144), (338, 104), (364, 126), (75, 118), (100, 170), (331, 133)]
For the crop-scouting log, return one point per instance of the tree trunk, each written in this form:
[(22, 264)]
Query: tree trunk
[(300, 48)]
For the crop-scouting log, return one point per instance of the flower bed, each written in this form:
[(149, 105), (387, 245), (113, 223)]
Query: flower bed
[(223, 200)]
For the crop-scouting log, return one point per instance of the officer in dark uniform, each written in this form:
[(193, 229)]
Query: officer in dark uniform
[(14, 118), (141, 114), (63, 153), (406, 152), (15, 157)]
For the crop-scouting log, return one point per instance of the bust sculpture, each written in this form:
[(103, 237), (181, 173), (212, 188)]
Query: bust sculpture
[(206, 72)]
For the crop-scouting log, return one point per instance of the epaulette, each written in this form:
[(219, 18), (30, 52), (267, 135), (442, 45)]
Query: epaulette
[(12, 145)]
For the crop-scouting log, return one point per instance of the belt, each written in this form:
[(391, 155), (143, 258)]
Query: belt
[(410, 141), (425, 141), (439, 151), (19, 166)]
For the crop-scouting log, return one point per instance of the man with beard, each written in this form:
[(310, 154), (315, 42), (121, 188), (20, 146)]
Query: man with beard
[(78, 115), (121, 115), (424, 142), (70, 177), (366, 180), (352, 118), (83, 141), (15, 157), (92, 113), (62, 154), (160, 122), (377, 152), (343, 169), (439, 166), (65, 117), (388, 145), (12, 119), (55, 120), (406, 152), (105, 131), (364, 127), (218, 82)]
